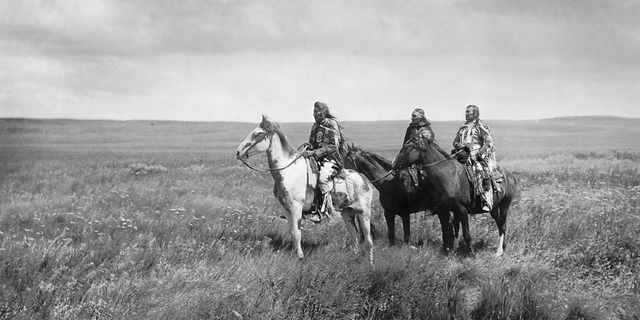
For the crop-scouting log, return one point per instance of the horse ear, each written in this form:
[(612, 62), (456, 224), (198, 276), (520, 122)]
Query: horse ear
[(265, 124)]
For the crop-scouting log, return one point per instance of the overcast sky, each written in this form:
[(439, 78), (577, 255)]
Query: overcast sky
[(368, 60)]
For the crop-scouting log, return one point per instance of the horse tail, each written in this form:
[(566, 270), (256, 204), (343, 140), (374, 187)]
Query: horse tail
[(510, 183), (513, 183)]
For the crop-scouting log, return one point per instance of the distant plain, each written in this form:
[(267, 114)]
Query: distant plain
[(157, 219)]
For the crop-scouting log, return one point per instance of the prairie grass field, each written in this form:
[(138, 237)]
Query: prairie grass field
[(158, 220)]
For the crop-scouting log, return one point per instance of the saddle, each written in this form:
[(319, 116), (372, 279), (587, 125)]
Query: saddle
[(315, 169), (340, 185), (413, 172), (478, 182), (495, 178)]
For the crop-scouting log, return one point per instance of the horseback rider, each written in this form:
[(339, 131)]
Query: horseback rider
[(475, 138), (325, 143), (420, 130)]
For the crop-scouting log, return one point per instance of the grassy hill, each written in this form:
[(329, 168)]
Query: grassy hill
[(157, 219), (513, 138)]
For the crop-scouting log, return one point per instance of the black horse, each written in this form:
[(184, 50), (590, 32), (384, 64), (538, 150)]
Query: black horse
[(448, 182), (401, 193)]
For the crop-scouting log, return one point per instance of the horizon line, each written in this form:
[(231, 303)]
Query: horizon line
[(9, 119)]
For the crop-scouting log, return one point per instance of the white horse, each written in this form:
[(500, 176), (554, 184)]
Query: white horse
[(295, 184)]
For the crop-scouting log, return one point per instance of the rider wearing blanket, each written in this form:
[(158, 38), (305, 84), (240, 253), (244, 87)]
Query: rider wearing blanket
[(419, 130), (325, 143), (475, 137)]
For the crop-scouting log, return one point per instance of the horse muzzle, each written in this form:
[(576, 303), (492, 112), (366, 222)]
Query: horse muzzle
[(241, 155)]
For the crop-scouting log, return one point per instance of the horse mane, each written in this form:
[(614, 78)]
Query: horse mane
[(373, 157), (379, 159), (274, 127), (432, 143)]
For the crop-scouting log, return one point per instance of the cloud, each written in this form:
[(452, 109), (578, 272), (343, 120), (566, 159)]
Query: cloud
[(217, 59), (568, 31), (585, 37), (170, 27)]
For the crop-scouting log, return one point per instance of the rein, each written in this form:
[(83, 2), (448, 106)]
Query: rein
[(441, 161), (386, 175), (353, 158), (303, 147)]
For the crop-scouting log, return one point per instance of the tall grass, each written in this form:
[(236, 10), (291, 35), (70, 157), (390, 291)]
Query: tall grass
[(181, 230)]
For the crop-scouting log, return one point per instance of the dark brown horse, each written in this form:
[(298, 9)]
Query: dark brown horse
[(401, 193), (452, 191)]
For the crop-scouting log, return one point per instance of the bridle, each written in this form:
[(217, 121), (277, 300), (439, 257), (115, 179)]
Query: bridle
[(437, 162), (353, 158), (265, 135)]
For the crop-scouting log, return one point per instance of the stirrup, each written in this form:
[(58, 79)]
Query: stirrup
[(323, 206), (315, 218)]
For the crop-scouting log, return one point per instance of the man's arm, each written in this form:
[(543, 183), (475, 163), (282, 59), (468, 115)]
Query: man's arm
[(456, 142), (330, 140), (485, 132), (427, 133), (312, 135)]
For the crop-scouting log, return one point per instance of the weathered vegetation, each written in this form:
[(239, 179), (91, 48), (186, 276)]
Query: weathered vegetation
[(128, 220)]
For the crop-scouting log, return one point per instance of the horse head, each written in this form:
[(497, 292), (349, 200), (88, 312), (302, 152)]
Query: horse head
[(266, 137), (258, 140), (349, 160), (419, 151), (409, 154)]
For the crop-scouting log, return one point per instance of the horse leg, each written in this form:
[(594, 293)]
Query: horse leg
[(406, 227), (390, 217), (365, 229), (295, 216), (462, 217), (499, 214), (456, 226), (447, 230), (348, 217)]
